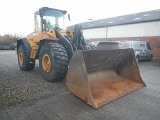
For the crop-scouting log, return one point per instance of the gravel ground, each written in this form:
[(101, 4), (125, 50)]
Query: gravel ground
[(17, 86)]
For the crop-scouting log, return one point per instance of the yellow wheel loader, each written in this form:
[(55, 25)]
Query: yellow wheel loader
[(96, 76)]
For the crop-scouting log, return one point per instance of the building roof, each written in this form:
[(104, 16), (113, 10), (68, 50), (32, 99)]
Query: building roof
[(147, 16)]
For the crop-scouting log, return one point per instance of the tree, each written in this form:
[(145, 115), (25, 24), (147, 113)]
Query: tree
[(9, 39)]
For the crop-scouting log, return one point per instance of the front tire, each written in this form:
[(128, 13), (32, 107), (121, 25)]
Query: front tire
[(53, 61), (150, 58), (137, 59), (24, 61)]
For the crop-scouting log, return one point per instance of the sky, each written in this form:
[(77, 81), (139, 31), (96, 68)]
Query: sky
[(17, 16)]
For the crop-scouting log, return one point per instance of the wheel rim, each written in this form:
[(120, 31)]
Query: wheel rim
[(20, 57), (46, 62)]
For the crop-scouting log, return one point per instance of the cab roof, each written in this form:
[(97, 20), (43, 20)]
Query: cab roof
[(40, 11)]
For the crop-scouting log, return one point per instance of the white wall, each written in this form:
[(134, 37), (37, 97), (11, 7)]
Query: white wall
[(95, 33), (130, 30), (135, 30)]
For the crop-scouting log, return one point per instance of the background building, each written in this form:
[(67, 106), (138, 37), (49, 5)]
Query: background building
[(144, 26)]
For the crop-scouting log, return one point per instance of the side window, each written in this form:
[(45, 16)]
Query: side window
[(148, 46), (37, 23), (142, 45)]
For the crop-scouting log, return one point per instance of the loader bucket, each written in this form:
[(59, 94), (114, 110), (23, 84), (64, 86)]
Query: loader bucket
[(101, 76)]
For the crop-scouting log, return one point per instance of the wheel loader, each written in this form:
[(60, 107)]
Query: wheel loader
[(95, 76)]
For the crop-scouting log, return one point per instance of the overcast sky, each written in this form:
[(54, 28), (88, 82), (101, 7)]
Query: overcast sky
[(17, 15)]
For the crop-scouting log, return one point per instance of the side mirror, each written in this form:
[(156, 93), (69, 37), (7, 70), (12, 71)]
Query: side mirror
[(69, 17)]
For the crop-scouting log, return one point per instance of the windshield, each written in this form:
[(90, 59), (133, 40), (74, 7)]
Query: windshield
[(53, 18)]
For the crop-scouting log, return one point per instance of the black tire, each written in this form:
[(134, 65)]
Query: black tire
[(150, 58), (58, 62), (25, 63), (137, 59)]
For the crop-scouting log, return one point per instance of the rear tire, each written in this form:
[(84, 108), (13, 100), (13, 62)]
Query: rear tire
[(24, 60), (53, 61)]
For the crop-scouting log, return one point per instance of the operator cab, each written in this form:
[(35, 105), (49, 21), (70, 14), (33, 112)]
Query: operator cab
[(47, 18)]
